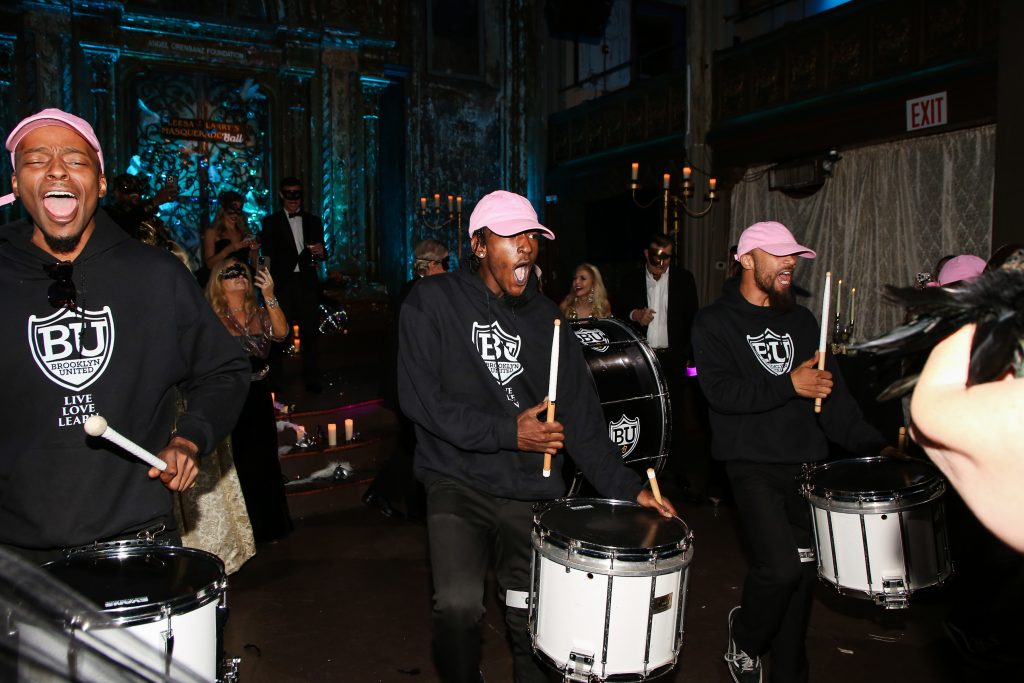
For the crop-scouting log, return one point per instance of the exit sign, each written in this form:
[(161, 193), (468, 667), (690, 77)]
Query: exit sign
[(927, 111)]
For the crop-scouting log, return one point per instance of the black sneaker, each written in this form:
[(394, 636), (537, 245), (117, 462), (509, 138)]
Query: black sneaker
[(742, 667)]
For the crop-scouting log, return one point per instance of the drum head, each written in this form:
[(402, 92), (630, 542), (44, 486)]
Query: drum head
[(873, 479), (133, 584), (611, 528)]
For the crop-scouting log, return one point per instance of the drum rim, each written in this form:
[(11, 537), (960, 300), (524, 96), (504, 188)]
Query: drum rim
[(127, 615), (555, 538), (922, 492)]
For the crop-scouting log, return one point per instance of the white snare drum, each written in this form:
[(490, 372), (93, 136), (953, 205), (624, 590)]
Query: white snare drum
[(166, 596), (879, 527), (608, 589)]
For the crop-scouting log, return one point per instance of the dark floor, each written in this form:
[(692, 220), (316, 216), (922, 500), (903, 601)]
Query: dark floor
[(347, 596)]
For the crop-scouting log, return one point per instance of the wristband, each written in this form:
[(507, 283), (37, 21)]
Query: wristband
[(272, 302)]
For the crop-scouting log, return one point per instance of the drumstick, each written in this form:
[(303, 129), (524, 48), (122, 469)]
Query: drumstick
[(655, 489), (552, 386), (97, 426), (824, 331)]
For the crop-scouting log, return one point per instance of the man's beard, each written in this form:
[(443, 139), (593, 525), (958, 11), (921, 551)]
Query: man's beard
[(781, 302), (62, 245)]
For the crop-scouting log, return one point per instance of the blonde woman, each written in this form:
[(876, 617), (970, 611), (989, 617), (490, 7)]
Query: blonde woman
[(588, 298), (229, 235), (232, 294)]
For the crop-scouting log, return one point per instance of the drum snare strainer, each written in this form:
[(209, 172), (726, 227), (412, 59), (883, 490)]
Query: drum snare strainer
[(608, 589), (879, 527)]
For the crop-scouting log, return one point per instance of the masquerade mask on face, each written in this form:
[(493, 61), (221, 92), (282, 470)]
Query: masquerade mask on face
[(291, 194), (658, 257), (233, 271)]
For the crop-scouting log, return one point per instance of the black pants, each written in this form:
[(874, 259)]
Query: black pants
[(779, 588), (299, 298), (464, 528)]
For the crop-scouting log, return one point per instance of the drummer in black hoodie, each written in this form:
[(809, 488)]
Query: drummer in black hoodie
[(114, 327), (474, 354), (756, 354)]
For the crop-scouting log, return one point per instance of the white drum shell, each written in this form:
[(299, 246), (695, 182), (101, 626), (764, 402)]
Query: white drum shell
[(861, 551), (581, 611), (881, 545), (608, 589), (195, 638)]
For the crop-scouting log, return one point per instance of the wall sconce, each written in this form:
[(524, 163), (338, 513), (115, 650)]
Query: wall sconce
[(675, 200), (436, 219)]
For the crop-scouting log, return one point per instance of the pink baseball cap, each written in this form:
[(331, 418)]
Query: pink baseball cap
[(505, 214), (963, 267), (773, 237), (51, 117)]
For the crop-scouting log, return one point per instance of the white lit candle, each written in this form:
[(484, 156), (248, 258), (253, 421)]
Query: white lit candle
[(450, 198), (332, 434), (296, 345), (423, 204), (458, 204), (349, 427), (839, 298), (712, 184), (437, 201), (853, 304), (687, 172), (634, 170), (665, 180), (295, 331)]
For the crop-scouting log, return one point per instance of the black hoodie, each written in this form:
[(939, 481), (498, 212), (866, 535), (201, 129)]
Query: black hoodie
[(141, 330), (744, 355), (469, 363)]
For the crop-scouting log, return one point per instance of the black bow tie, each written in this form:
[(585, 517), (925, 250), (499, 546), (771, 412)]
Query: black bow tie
[(293, 215)]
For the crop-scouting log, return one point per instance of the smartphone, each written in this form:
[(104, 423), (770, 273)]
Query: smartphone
[(263, 262)]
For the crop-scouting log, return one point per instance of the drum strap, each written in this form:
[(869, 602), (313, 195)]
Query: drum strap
[(517, 599)]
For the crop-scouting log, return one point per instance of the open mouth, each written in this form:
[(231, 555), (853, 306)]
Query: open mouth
[(521, 273), (785, 278), (61, 206)]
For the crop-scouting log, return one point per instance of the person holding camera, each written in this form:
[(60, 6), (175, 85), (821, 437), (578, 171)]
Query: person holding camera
[(293, 240)]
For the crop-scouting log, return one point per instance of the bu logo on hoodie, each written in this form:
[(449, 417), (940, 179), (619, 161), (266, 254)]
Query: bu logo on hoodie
[(499, 350), (72, 348), (774, 351)]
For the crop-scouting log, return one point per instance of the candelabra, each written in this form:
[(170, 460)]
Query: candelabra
[(673, 201), (436, 219)]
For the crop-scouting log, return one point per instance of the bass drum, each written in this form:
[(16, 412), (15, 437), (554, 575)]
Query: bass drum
[(633, 394)]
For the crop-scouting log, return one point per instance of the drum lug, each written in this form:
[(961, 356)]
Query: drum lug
[(893, 595), (579, 666)]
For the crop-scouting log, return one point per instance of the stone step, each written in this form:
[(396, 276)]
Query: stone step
[(375, 440), (321, 498)]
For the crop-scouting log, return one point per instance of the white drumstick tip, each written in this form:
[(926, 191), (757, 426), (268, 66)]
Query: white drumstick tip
[(95, 425)]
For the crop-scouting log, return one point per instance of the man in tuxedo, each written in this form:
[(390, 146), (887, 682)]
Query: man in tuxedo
[(293, 240), (661, 303)]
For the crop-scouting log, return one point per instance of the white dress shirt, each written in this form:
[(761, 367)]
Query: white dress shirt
[(657, 299), (296, 225)]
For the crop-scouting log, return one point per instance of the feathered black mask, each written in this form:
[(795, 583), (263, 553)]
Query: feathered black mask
[(994, 301)]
